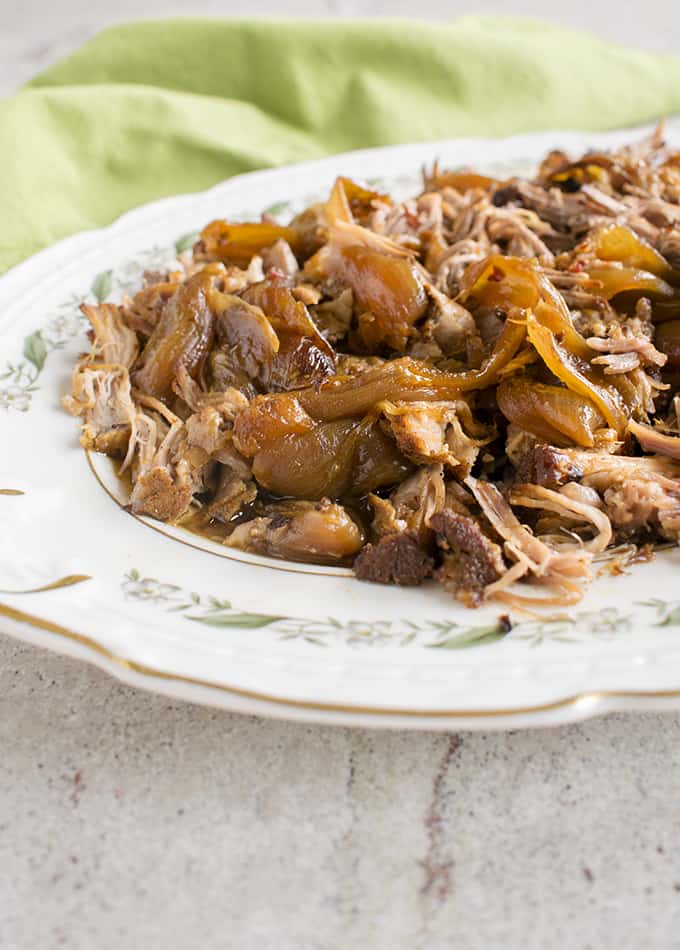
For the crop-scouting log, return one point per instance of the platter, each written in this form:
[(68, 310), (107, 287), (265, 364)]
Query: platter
[(166, 610)]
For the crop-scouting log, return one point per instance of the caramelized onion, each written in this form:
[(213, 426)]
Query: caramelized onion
[(246, 332), (389, 292), (344, 458), (516, 287), (238, 243), (300, 531), (266, 420), (405, 380), (511, 338), (460, 181), (619, 243), (297, 457), (351, 202), (501, 282), (552, 413), (577, 374), (183, 336), (303, 356), (614, 279)]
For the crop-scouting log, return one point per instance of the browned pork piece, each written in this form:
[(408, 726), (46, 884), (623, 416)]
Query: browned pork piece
[(471, 561), (401, 548), (100, 386), (479, 384), (171, 465), (395, 559), (641, 495), (301, 531)]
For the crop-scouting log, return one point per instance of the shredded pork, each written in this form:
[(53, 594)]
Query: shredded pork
[(479, 384)]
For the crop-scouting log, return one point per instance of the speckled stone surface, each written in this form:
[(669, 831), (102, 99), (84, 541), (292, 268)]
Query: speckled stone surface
[(130, 821)]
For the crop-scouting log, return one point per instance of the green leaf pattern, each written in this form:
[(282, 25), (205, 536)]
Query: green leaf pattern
[(19, 380), (608, 623), (186, 242), (35, 350), (102, 285), (279, 207)]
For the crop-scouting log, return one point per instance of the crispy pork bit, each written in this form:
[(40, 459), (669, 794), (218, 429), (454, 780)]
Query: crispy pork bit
[(397, 558), (565, 571), (471, 561), (486, 374), (158, 494)]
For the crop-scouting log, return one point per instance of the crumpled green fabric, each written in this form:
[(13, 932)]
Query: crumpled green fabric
[(155, 108)]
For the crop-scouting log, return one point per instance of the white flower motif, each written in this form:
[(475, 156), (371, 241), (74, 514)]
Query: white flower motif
[(63, 327), (608, 620), (15, 397), (148, 588), (129, 277)]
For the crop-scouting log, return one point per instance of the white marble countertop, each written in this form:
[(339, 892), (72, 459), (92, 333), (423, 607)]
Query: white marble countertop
[(128, 820)]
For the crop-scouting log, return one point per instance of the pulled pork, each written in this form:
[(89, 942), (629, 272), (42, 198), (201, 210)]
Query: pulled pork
[(477, 384)]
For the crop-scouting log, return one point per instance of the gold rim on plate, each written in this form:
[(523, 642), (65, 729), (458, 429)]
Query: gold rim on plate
[(592, 696), (229, 553)]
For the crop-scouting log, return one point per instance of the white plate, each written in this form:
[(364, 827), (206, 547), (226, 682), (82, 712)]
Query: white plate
[(166, 611)]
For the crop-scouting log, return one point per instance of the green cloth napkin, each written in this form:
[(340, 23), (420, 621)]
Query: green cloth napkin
[(156, 108)]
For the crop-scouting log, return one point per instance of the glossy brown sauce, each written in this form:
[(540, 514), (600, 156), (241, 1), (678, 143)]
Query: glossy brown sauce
[(197, 522)]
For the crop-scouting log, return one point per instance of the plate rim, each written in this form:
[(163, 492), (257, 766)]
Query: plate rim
[(31, 628)]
